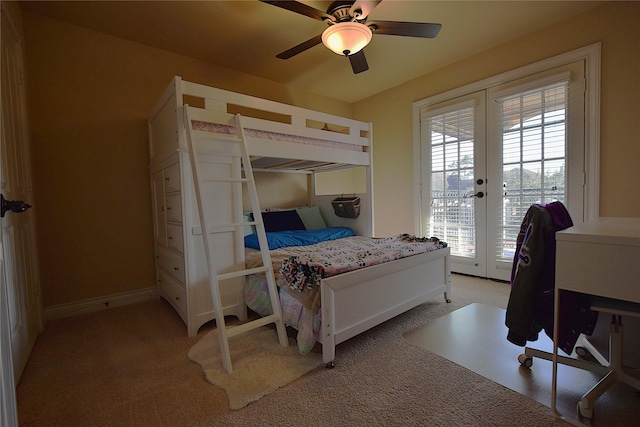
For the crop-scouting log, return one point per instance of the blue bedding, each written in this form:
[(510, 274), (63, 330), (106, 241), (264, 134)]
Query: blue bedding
[(280, 239)]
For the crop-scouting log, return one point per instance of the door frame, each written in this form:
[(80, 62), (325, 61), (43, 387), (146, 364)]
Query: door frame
[(591, 57), (9, 413)]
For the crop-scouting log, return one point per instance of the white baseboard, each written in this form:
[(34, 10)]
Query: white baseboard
[(97, 304)]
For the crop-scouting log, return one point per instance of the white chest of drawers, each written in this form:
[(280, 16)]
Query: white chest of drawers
[(181, 272)]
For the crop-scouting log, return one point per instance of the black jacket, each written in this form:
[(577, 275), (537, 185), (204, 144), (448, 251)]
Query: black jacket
[(531, 301)]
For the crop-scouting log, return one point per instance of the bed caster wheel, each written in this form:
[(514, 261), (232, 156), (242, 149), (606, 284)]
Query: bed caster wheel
[(331, 364), (581, 351), (584, 411), (525, 360)]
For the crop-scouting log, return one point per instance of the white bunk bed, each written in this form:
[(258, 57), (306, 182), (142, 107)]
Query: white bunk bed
[(279, 137)]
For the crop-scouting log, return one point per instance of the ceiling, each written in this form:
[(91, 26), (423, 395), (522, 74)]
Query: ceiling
[(246, 36)]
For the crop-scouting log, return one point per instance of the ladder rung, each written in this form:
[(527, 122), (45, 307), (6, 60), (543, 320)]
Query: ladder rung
[(222, 227), (233, 224), (226, 180), (240, 273), (254, 324), (218, 153)]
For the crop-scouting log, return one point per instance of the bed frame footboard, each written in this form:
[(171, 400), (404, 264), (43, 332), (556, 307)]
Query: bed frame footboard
[(356, 301)]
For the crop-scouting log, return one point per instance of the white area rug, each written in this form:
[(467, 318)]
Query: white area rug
[(260, 364)]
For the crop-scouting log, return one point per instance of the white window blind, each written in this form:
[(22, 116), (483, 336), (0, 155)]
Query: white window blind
[(532, 123), (450, 133)]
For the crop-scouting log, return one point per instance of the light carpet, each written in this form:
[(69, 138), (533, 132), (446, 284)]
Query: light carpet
[(260, 364)]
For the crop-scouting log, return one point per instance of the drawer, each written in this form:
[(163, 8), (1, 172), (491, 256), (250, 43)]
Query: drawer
[(173, 292), (174, 237), (172, 178), (174, 208), (159, 213), (172, 263)]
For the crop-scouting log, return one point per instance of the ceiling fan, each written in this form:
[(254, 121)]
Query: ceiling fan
[(349, 30)]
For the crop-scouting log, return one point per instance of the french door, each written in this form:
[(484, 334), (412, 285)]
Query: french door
[(488, 155), (454, 179)]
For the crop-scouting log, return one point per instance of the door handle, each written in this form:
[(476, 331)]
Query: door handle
[(16, 206), (479, 195)]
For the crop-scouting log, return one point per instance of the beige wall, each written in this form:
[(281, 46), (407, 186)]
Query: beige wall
[(89, 95), (345, 181), (615, 25), (280, 190)]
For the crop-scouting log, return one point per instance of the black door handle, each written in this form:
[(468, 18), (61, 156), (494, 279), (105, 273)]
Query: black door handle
[(16, 206), (479, 195)]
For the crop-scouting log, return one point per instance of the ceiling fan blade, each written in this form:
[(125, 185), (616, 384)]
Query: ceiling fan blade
[(364, 7), (410, 29), (300, 48), (301, 8), (358, 62)]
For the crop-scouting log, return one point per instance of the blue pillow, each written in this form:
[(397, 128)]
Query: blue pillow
[(282, 221)]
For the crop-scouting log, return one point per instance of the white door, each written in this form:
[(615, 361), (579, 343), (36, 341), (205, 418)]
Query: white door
[(454, 179), (486, 157), (536, 154), (8, 410), (20, 274)]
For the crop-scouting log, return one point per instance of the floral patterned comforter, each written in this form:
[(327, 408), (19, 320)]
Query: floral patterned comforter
[(299, 269)]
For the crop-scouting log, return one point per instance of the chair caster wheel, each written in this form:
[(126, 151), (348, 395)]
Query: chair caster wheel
[(581, 351), (584, 412), (331, 364), (525, 360), (448, 301)]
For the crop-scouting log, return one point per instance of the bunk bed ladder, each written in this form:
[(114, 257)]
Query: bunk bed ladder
[(241, 174)]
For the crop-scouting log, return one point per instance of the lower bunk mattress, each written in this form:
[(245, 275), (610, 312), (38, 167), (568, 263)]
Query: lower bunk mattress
[(300, 269)]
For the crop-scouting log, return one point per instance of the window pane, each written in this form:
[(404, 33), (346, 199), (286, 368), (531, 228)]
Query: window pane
[(533, 127), (452, 180)]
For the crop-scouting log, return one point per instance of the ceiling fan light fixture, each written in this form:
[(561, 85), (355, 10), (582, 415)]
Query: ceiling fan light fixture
[(346, 38)]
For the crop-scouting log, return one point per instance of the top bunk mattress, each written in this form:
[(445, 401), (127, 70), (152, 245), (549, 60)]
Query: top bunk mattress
[(274, 136), (298, 159)]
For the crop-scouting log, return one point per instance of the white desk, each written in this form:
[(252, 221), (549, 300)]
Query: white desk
[(601, 258)]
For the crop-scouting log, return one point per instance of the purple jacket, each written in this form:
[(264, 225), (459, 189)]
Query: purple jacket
[(530, 307)]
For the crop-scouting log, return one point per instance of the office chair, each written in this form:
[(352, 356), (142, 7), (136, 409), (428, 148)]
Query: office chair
[(614, 369)]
